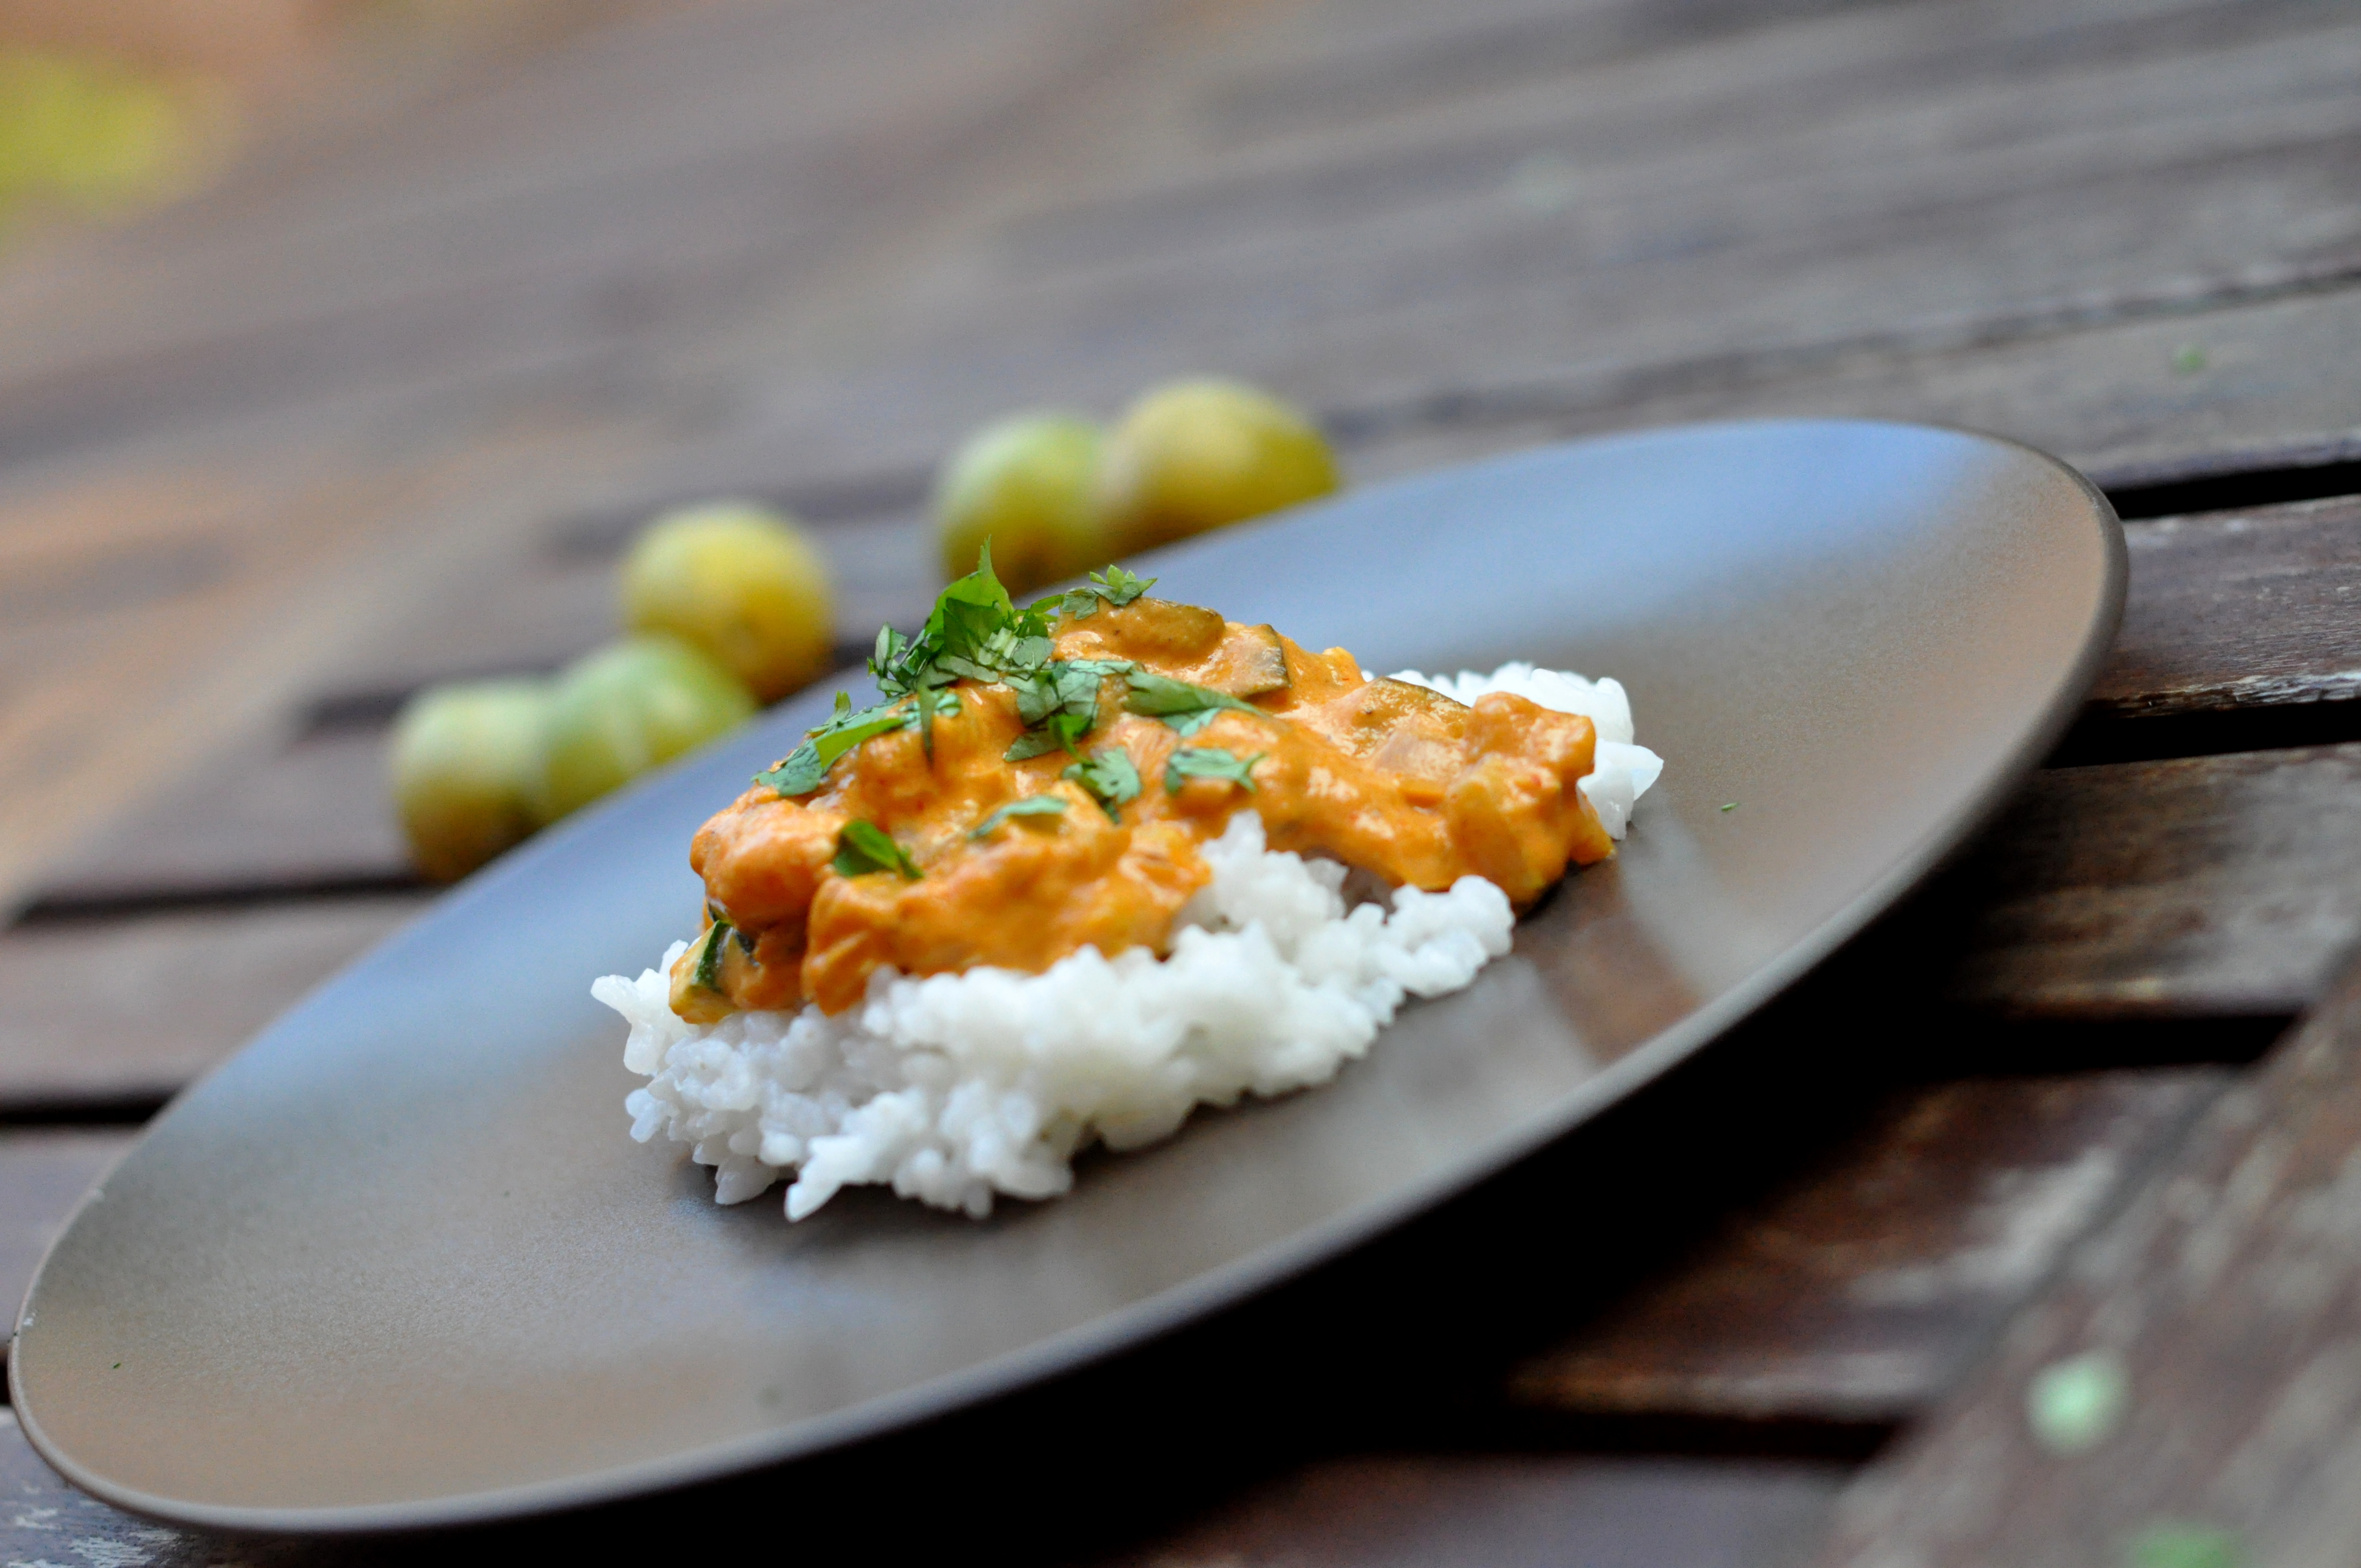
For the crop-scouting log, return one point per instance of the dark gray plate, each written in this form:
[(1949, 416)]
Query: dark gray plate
[(398, 1263)]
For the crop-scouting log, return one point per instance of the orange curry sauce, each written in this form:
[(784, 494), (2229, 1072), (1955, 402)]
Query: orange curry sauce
[(1386, 778)]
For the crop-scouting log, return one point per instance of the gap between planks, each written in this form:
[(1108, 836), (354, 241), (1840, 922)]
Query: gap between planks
[(2225, 1297)]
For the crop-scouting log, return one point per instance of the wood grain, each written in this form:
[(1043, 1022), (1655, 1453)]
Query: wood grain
[(795, 250), (1860, 1292), (2239, 609), (1433, 1512), (126, 1013), (1686, 235), (45, 1520), (2226, 885), (1509, 1511), (2227, 1295), (43, 1174)]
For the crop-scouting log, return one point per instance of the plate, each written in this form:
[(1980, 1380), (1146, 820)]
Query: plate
[(398, 1263)]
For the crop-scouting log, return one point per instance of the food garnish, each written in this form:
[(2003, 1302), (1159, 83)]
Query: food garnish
[(863, 847), (1114, 587), (708, 955), (1108, 777), (1208, 762), (1031, 805), (1186, 709)]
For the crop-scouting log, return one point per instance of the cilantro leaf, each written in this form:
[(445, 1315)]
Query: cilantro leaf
[(925, 701), (1187, 709), (863, 847), (1031, 805), (1108, 777), (1064, 686), (1114, 587), (1062, 731), (803, 770), (975, 631), (1209, 762), (1119, 588)]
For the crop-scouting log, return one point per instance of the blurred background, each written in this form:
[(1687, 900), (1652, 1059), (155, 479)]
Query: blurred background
[(347, 346), (344, 347)]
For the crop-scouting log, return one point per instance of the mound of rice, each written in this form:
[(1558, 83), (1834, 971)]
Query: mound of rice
[(954, 1088)]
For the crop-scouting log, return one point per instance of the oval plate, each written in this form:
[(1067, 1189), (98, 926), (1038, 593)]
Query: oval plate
[(398, 1263)]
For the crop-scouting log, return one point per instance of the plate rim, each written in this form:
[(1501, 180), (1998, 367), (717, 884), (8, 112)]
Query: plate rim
[(1228, 1285)]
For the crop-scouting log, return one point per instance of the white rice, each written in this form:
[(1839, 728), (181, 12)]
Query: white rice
[(955, 1088)]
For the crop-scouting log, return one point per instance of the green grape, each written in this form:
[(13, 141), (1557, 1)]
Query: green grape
[(1027, 484), (627, 709), (1193, 456), (465, 761), (741, 582)]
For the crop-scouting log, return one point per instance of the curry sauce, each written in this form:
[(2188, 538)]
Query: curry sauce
[(1047, 781)]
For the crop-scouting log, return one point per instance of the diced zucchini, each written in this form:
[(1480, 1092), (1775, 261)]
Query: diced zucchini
[(1253, 663), (1159, 630)]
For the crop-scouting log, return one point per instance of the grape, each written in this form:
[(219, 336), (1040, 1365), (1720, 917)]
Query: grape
[(1027, 484), (741, 582), (628, 707), (465, 761), (1193, 455)]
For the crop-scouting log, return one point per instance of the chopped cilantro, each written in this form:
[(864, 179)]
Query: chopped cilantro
[(1208, 762), (1059, 703), (1114, 587), (1065, 686), (975, 631), (1730, 806), (1107, 777), (804, 769), (863, 847), (1060, 731), (1031, 805), (1185, 707), (923, 702), (708, 959)]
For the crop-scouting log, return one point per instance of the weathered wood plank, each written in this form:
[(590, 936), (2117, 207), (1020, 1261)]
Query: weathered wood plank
[(2055, 90), (45, 1520), (2239, 609), (2228, 885), (1482, 292), (1509, 1511), (1857, 1293), (2222, 1312), (120, 700), (43, 1174), (560, 230), (2126, 117), (319, 811), (128, 1012), (1489, 1512)]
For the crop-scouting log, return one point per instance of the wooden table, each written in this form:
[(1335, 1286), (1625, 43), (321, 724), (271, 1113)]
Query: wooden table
[(383, 409)]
